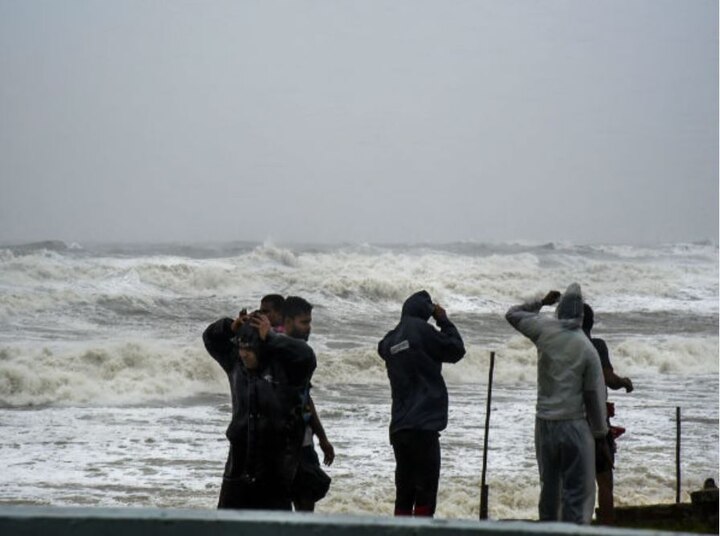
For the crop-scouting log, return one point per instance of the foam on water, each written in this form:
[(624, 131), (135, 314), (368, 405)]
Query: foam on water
[(362, 279), (127, 373), (101, 363), (172, 455), (140, 371)]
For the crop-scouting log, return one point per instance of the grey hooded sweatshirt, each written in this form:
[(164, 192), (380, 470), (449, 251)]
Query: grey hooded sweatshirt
[(570, 380), (414, 353)]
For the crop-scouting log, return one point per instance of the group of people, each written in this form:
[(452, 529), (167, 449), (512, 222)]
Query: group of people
[(272, 462)]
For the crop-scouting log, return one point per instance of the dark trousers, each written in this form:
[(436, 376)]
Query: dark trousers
[(301, 491), (243, 495), (417, 471)]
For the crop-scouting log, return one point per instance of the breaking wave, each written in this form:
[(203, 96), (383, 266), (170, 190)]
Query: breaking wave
[(123, 373), (618, 278), (121, 324), (136, 372)]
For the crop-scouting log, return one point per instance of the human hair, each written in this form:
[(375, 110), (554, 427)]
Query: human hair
[(588, 318), (248, 337), (276, 302), (295, 306)]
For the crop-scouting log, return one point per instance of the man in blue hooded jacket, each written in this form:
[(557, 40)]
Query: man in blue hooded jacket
[(414, 353)]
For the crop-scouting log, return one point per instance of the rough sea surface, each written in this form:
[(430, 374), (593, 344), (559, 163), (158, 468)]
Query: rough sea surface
[(108, 398)]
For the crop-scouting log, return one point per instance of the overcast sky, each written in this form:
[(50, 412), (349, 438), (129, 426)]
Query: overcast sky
[(359, 121)]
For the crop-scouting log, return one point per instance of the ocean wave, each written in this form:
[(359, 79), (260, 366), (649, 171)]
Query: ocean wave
[(43, 246), (348, 277), (285, 257), (666, 355), (516, 361), (131, 372), (97, 374)]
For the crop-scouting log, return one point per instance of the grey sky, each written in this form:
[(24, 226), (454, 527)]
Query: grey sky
[(376, 121)]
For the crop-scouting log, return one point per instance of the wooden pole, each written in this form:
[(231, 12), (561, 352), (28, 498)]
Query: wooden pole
[(677, 454), (483, 486)]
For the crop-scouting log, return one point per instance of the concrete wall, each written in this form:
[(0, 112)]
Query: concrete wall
[(51, 521)]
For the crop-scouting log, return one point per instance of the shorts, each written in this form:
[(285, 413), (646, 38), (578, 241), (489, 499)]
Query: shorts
[(311, 483), (603, 465)]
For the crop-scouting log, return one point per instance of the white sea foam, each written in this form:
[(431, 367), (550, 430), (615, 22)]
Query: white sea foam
[(516, 361), (133, 372), (101, 360), (100, 374), (358, 277), (139, 455)]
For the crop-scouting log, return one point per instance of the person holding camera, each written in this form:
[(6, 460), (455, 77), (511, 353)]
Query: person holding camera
[(268, 375), (414, 353)]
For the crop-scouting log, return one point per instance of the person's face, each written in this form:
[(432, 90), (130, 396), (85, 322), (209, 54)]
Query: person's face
[(249, 358), (274, 316), (299, 326)]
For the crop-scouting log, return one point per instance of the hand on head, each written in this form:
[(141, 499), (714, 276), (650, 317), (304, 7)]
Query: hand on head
[(438, 312), (239, 321), (261, 322), (551, 298)]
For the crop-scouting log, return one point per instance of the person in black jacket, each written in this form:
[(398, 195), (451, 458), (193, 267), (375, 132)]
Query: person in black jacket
[(268, 373), (414, 353)]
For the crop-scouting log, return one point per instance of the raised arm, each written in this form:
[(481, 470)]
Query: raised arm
[(447, 344), (524, 317), (218, 342)]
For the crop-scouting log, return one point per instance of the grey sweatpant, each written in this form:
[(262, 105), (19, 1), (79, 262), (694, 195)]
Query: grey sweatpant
[(565, 453)]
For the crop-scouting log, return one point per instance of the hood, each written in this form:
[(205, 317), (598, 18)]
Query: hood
[(419, 305), (571, 304)]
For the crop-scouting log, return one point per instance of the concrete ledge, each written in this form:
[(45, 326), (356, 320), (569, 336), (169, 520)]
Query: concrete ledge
[(37, 521), (700, 517)]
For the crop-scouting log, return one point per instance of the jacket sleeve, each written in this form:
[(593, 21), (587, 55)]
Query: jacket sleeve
[(525, 319), (446, 345), (218, 342), (297, 355), (594, 395), (382, 348)]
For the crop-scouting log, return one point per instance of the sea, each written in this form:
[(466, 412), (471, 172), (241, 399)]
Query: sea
[(108, 398)]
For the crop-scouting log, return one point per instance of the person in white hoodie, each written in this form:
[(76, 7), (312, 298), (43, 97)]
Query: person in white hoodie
[(570, 405)]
